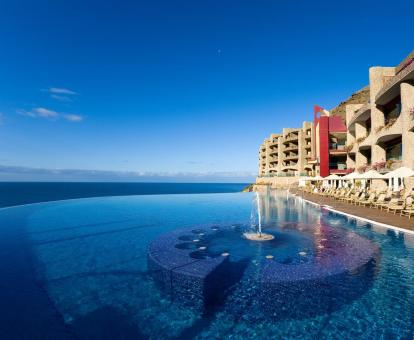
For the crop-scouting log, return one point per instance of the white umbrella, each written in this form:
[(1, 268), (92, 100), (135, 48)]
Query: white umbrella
[(352, 175), (371, 174), (394, 175), (331, 177), (400, 172)]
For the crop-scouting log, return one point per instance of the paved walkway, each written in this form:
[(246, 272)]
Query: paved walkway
[(361, 211)]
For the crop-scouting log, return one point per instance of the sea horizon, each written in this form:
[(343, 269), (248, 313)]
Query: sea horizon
[(27, 192)]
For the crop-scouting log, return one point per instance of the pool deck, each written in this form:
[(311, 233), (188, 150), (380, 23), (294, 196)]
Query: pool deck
[(372, 214)]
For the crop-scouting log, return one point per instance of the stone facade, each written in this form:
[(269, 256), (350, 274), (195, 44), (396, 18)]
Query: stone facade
[(381, 132)]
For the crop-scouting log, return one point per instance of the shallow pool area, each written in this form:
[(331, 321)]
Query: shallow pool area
[(178, 266)]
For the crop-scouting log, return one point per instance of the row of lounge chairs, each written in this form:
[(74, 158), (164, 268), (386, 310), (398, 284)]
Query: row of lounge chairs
[(385, 201)]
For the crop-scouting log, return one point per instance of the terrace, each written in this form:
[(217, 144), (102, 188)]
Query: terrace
[(361, 115), (291, 137), (337, 144), (391, 89)]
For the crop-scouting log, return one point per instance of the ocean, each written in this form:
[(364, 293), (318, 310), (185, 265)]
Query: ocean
[(17, 193)]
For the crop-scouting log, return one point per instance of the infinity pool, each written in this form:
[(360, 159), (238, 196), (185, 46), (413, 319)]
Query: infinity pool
[(91, 269)]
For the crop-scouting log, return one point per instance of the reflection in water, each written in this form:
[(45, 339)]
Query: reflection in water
[(95, 280)]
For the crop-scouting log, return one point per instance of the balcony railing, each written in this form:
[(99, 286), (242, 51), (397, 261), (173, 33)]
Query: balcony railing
[(337, 166), (393, 82), (291, 137), (361, 112)]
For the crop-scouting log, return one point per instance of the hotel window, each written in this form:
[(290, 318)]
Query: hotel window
[(393, 150), (392, 110)]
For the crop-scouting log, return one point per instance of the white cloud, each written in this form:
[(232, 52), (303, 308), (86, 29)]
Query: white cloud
[(41, 112), (45, 113), (60, 90), (73, 117)]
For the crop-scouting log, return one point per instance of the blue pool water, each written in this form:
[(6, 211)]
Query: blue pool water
[(80, 269)]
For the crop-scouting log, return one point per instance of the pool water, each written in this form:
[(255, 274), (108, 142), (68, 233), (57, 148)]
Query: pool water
[(81, 269)]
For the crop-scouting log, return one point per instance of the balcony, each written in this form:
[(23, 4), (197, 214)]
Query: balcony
[(273, 152), (337, 168), (290, 148), (290, 138), (389, 131), (287, 174), (337, 149), (289, 164), (366, 143), (385, 167), (291, 157), (361, 115), (392, 88), (273, 160), (313, 161), (351, 148)]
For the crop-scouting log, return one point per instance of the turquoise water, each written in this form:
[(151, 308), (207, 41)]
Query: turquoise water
[(79, 268)]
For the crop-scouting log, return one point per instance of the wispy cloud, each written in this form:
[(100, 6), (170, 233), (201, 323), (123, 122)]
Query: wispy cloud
[(60, 90), (73, 117), (45, 113), (60, 93), (41, 112)]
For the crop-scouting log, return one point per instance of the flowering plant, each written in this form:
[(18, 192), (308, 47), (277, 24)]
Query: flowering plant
[(379, 165)]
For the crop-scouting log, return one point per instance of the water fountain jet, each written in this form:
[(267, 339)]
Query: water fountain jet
[(258, 235)]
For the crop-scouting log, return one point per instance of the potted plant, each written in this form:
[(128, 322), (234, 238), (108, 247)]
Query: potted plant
[(349, 147), (390, 123), (360, 139), (389, 163)]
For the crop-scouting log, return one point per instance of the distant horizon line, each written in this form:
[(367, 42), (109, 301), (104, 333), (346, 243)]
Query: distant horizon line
[(29, 174), (117, 182)]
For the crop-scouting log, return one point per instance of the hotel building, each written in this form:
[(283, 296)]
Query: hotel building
[(380, 133), (287, 154), (373, 129)]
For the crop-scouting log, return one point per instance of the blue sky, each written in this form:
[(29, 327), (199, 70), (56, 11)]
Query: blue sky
[(178, 88)]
